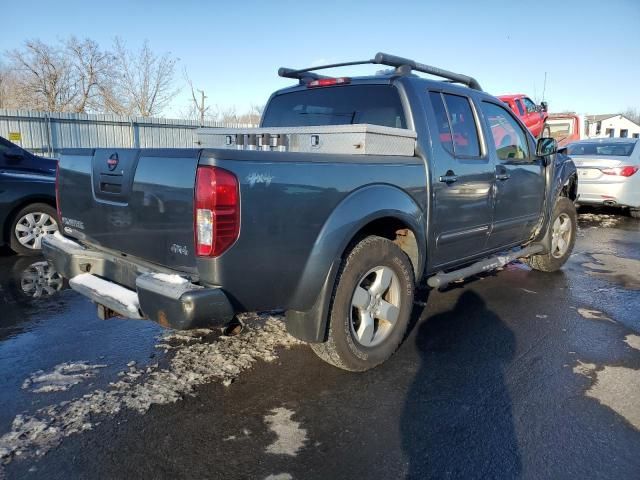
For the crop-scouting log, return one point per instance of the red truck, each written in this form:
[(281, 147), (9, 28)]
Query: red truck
[(532, 115)]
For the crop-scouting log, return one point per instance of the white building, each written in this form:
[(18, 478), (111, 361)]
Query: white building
[(611, 125)]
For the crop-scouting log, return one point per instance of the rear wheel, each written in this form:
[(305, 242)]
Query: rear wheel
[(370, 307), (563, 229), (30, 225)]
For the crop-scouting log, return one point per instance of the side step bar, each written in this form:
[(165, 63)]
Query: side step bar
[(443, 279)]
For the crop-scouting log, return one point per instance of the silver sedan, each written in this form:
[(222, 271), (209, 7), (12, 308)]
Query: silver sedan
[(608, 172)]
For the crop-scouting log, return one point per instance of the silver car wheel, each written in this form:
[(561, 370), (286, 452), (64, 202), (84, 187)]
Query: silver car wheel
[(31, 227), (40, 280), (375, 306), (561, 232)]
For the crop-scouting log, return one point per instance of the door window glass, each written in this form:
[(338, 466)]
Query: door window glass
[(463, 126), (509, 139), (530, 106), (444, 129)]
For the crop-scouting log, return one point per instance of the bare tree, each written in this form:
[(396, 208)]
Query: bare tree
[(143, 81), (43, 76), (197, 109), (632, 114), (92, 69), (8, 88)]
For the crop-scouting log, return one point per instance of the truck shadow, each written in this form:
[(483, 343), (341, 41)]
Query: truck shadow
[(457, 420)]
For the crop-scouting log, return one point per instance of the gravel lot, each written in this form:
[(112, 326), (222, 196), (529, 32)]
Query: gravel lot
[(516, 374)]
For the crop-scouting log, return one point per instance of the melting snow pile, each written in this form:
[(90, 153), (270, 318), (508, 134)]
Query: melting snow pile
[(61, 378), (603, 219), (195, 361)]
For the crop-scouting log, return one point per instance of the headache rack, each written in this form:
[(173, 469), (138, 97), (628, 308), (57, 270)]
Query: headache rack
[(403, 66)]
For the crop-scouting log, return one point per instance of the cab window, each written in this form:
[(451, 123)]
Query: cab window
[(456, 124), (530, 106), (508, 138)]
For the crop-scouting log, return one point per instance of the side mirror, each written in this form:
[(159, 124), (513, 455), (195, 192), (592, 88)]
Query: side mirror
[(544, 106), (14, 153), (546, 147)]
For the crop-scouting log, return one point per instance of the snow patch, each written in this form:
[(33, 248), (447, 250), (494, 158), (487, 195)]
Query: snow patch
[(124, 296), (633, 341), (594, 315), (175, 279), (61, 378), (193, 363), (290, 437)]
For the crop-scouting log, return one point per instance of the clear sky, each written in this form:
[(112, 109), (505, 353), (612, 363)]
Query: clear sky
[(232, 49)]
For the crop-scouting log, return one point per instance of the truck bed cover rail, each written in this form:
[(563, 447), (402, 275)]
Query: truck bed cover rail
[(355, 139)]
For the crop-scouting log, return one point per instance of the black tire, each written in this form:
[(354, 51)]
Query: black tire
[(553, 261), (36, 209), (635, 213), (364, 262)]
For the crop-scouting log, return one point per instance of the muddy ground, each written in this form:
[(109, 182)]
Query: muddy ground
[(517, 374)]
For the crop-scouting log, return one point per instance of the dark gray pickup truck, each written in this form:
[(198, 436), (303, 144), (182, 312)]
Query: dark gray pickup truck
[(351, 192)]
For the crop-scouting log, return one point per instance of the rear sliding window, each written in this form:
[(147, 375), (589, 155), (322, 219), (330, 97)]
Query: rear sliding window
[(620, 149), (374, 104)]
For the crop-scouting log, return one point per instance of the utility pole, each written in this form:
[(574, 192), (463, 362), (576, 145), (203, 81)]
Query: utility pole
[(544, 87), (201, 107)]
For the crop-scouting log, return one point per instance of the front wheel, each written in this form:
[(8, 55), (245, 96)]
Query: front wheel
[(562, 230), (370, 308)]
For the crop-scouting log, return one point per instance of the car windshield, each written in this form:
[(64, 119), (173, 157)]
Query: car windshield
[(374, 104), (619, 149)]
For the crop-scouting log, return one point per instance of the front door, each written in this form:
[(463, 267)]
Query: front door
[(520, 183), (462, 181)]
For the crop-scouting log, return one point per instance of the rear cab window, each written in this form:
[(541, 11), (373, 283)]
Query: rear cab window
[(457, 127), (344, 105)]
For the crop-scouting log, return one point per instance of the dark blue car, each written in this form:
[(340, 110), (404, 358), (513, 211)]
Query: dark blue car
[(27, 198)]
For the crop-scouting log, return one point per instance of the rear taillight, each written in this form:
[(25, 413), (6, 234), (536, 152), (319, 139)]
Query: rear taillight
[(58, 191), (328, 82), (216, 211), (621, 171)]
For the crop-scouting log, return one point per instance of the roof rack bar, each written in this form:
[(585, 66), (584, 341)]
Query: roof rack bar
[(403, 67), (395, 61)]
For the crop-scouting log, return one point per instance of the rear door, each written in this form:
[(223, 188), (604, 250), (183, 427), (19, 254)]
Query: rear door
[(462, 179), (519, 174), (138, 202)]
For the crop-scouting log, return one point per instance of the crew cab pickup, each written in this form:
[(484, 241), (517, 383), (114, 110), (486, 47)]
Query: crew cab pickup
[(351, 192), (532, 115)]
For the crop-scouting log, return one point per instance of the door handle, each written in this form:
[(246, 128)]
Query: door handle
[(448, 177)]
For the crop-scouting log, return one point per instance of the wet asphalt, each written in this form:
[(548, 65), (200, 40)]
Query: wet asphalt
[(488, 384)]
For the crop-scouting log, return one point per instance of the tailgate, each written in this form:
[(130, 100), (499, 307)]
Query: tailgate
[(137, 202)]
